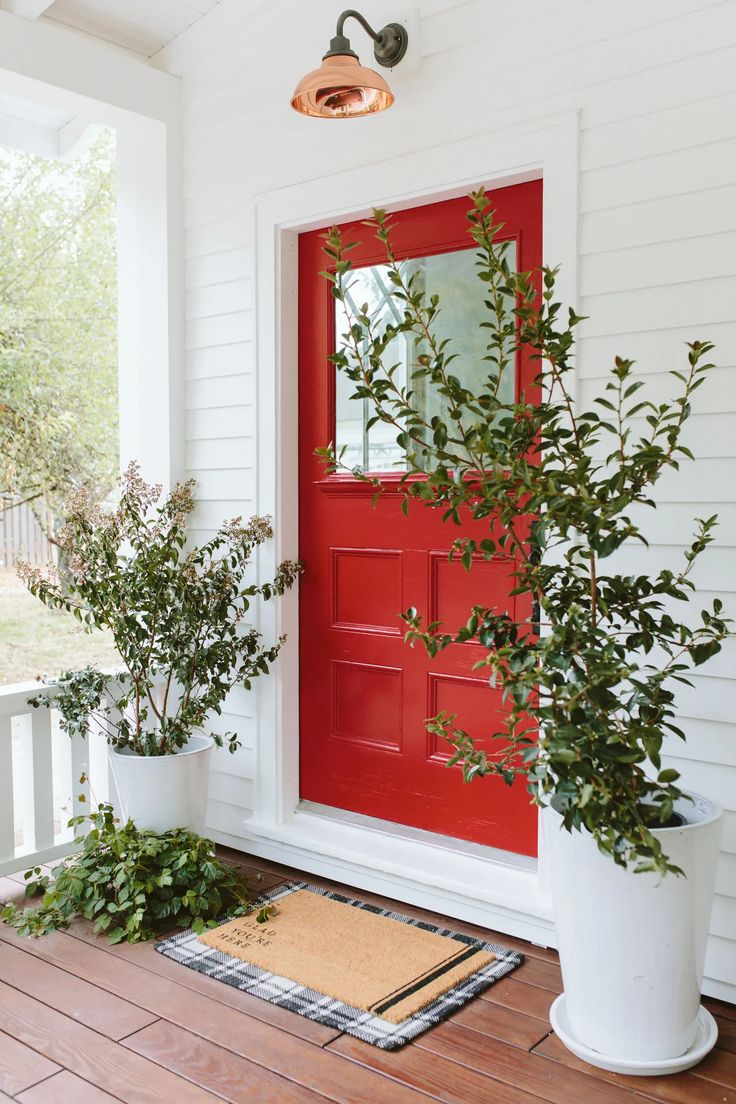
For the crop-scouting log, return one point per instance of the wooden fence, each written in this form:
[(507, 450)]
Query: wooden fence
[(22, 537)]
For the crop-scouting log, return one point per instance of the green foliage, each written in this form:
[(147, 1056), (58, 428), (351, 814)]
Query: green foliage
[(178, 617), (591, 696), (58, 326), (132, 884)]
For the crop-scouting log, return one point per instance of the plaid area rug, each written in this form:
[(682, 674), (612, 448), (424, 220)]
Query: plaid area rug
[(188, 950)]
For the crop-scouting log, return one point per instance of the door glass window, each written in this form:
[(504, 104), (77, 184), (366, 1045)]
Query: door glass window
[(452, 276)]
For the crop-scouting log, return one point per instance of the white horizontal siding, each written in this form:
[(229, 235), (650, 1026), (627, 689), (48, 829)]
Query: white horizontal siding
[(230, 788), (451, 26), (216, 423), (222, 329), (659, 264), (712, 742), (236, 484), (220, 455), (220, 360), (669, 218), (210, 513), (708, 698), (240, 763), (681, 126), (226, 819), (664, 523), (655, 85), (658, 352), (705, 481), (682, 79), (218, 236), (679, 172), (721, 666), (242, 703), (235, 389), (687, 303), (223, 298), (712, 572), (214, 268)]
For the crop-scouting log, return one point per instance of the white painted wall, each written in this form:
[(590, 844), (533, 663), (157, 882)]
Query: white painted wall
[(655, 85)]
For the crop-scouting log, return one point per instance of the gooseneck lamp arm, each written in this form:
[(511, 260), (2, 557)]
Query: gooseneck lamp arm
[(389, 43), (351, 13)]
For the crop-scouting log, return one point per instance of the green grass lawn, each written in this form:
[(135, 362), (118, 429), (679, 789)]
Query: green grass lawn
[(35, 641)]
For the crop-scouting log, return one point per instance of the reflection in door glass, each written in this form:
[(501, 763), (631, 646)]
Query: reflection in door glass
[(452, 276)]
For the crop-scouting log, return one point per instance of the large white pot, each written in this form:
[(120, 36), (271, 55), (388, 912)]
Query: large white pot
[(632, 946), (160, 792)]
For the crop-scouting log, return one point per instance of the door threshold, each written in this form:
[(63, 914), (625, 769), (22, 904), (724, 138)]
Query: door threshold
[(420, 835), (492, 888)]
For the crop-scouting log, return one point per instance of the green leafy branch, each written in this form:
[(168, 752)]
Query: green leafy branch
[(588, 680)]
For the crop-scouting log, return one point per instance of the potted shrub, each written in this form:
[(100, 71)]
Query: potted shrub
[(589, 679), (179, 621)]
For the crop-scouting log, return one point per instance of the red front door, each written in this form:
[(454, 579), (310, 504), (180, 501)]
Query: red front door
[(365, 695)]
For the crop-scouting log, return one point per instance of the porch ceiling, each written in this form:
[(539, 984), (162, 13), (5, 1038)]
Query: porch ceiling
[(139, 26)]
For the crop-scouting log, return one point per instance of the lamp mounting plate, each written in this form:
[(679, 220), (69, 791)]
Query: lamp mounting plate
[(390, 44)]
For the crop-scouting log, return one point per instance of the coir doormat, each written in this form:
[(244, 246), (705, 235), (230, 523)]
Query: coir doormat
[(370, 972)]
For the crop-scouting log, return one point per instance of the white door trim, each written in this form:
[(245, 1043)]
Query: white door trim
[(500, 894)]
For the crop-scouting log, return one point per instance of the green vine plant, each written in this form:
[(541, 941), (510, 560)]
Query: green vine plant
[(133, 885), (589, 681), (179, 616)]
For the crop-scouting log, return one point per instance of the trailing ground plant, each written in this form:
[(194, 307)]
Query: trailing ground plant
[(589, 683), (132, 884), (178, 617)]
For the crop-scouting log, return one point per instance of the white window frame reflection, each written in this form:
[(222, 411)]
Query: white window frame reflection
[(384, 455)]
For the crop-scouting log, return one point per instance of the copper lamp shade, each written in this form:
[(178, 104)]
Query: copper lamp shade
[(342, 88)]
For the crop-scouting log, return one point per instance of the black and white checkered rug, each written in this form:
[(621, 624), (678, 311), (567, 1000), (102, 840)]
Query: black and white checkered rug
[(189, 951)]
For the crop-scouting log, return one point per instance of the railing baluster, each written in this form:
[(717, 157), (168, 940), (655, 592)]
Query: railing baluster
[(98, 768), (7, 813), (43, 793), (61, 765), (112, 790), (23, 779), (80, 779)]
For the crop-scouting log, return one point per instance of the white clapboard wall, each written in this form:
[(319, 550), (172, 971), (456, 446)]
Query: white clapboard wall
[(655, 84)]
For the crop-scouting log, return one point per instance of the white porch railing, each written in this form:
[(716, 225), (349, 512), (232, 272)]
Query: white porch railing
[(43, 775)]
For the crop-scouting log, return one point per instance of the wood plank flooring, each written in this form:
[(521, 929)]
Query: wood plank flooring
[(86, 1023)]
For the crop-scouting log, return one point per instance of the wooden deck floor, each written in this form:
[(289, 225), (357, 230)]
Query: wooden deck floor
[(87, 1023)]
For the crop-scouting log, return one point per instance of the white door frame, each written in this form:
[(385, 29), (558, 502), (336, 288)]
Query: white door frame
[(467, 881)]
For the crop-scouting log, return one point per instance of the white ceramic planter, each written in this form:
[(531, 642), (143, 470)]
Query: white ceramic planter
[(166, 791), (632, 947)]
